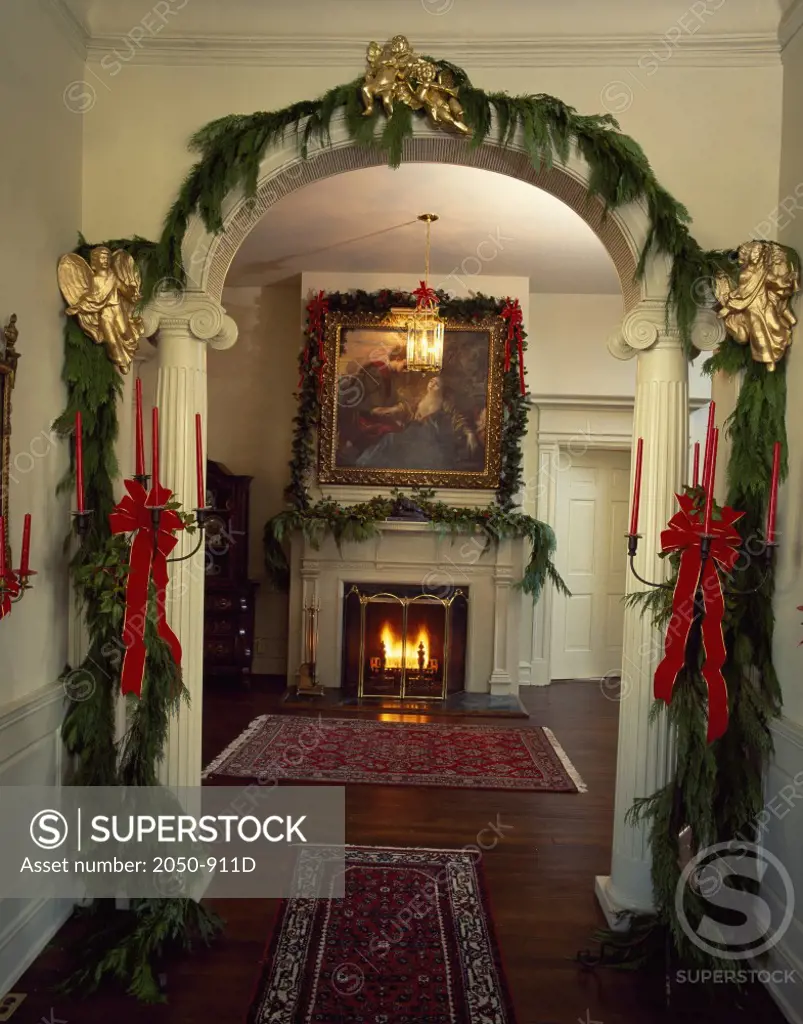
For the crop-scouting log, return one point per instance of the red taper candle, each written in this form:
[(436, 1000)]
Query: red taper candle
[(199, 462), (25, 554), (772, 508), (709, 439), (708, 483), (637, 488), (2, 546), (79, 462), (696, 464), (155, 448), (140, 437)]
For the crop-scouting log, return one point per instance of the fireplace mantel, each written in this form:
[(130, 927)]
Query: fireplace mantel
[(418, 554)]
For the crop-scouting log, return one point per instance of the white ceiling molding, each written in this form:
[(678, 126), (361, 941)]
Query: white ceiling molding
[(731, 50), (69, 24), (791, 23)]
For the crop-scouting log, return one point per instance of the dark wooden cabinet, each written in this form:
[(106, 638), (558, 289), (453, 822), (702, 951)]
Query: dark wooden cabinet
[(229, 594)]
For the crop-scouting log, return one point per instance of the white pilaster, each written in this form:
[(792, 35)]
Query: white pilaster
[(646, 752), (186, 324)]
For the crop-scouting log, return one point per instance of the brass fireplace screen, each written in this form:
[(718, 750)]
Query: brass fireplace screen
[(404, 644)]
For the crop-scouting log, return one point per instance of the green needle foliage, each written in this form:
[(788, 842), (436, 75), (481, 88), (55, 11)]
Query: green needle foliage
[(717, 788)]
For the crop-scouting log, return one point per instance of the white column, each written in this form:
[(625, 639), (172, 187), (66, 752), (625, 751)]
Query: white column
[(186, 324), (646, 752)]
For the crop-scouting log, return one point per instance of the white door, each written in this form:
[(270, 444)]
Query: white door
[(591, 523)]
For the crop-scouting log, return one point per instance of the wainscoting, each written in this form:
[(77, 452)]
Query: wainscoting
[(784, 802), (30, 754)]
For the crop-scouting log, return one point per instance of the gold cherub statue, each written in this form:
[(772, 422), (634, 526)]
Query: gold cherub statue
[(103, 294), (395, 74), (756, 308)]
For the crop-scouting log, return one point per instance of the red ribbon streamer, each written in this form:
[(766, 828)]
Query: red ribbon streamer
[(685, 534), (512, 313), (148, 559), (12, 588), (425, 296), (317, 309)]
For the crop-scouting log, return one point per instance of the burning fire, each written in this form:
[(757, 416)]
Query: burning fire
[(393, 648)]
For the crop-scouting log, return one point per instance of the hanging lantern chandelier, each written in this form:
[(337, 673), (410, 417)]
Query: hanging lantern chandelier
[(424, 326)]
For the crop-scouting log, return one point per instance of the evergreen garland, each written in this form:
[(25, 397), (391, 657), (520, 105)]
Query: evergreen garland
[(124, 945), (379, 304), (359, 522), (231, 149), (717, 789)]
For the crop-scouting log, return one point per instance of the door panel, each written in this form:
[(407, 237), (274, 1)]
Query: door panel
[(591, 523)]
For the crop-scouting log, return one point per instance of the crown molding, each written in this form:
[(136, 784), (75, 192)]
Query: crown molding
[(791, 23), (734, 50), (70, 26)]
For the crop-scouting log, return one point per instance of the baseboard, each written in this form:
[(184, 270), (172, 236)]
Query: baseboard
[(27, 935), (30, 754)]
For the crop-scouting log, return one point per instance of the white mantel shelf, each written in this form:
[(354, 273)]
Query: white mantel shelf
[(414, 554)]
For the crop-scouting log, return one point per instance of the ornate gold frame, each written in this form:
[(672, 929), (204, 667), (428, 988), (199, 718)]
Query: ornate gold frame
[(8, 372), (330, 473)]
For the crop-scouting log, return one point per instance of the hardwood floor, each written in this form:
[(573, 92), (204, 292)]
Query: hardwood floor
[(540, 875)]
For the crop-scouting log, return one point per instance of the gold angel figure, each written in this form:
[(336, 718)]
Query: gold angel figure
[(756, 309), (103, 294), (386, 73), (437, 95)]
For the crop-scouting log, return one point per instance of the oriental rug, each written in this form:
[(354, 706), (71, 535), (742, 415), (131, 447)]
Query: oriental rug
[(291, 748), (410, 940)]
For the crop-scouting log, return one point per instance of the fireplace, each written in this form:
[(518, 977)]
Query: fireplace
[(399, 641)]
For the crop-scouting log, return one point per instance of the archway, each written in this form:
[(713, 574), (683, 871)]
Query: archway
[(645, 751)]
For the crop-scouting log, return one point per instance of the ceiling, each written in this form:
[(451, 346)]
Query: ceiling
[(459, 20), (365, 221)]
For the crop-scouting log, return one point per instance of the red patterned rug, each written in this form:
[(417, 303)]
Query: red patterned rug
[(412, 941), (298, 749)]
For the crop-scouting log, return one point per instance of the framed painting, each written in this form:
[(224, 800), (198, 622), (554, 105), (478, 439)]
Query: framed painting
[(384, 425)]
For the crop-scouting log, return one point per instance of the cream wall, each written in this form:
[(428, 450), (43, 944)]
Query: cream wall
[(40, 214), (139, 121), (251, 410), (788, 655), (567, 349)]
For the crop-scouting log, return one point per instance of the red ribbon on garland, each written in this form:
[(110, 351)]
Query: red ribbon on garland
[(148, 559), (317, 309), (512, 313), (425, 296), (12, 588), (685, 534)]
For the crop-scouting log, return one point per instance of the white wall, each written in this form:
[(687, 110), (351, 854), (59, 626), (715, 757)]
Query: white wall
[(40, 213)]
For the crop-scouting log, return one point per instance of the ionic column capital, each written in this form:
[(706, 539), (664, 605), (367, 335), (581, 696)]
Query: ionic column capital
[(194, 314), (647, 326)]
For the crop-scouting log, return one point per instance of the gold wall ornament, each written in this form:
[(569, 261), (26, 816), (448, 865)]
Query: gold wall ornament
[(8, 371), (756, 307), (395, 74), (103, 294)]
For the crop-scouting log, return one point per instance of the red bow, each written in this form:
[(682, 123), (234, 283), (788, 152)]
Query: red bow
[(149, 551), (685, 534), (425, 296), (11, 587), (317, 309), (512, 313)]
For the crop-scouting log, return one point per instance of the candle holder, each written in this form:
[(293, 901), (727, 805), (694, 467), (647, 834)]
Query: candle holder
[(82, 521), (13, 586), (201, 517)]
